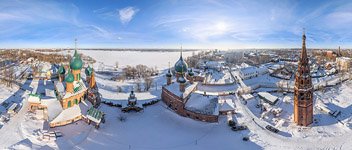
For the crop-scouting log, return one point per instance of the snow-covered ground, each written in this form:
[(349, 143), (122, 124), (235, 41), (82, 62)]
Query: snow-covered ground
[(157, 127)]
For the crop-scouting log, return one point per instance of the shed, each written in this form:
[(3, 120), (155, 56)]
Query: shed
[(267, 97)]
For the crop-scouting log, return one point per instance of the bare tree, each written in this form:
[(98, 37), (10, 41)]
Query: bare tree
[(139, 85), (148, 81)]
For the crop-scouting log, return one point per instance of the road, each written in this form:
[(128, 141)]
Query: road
[(11, 132)]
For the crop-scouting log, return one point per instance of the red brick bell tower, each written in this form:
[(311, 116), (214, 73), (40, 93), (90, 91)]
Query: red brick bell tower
[(303, 91)]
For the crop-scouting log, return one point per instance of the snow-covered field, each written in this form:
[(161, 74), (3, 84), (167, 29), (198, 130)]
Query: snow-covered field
[(151, 59)]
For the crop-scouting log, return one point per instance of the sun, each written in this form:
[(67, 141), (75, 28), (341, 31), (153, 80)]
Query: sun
[(221, 26)]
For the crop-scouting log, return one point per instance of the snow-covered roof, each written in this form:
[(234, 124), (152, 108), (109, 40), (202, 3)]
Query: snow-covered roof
[(53, 106), (12, 106), (72, 112), (50, 93), (45, 67), (243, 65), (175, 88), (60, 88), (68, 114), (199, 103), (248, 70), (267, 96), (226, 103), (247, 96), (253, 69), (34, 98)]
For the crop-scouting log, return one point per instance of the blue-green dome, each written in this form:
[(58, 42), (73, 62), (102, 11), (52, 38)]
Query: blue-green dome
[(69, 77), (61, 70), (181, 66), (76, 63), (182, 79), (190, 72), (88, 71), (168, 74)]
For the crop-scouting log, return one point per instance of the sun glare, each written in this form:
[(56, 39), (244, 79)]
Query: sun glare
[(221, 26)]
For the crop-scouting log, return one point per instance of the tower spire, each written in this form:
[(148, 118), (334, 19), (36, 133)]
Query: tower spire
[(75, 54), (181, 51), (304, 39), (75, 43), (304, 58)]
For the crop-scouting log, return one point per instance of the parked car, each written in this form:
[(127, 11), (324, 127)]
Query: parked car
[(238, 128), (272, 129)]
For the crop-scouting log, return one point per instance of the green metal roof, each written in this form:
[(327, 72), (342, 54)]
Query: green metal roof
[(95, 113), (35, 95)]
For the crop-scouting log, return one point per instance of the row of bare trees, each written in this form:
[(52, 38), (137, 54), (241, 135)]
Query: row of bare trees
[(141, 74), (139, 71), (7, 76), (22, 55), (194, 60)]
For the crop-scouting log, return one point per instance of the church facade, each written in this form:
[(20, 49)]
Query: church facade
[(67, 101)]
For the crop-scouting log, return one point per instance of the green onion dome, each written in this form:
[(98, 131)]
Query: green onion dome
[(88, 71), (191, 73), (181, 79), (181, 66), (168, 74), (132, 95), (76, 63), (69, 77), (61, 70)]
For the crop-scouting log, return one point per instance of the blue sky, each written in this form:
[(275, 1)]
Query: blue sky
[(229, 24)]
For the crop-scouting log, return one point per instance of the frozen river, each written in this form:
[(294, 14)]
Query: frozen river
[(124, 58)]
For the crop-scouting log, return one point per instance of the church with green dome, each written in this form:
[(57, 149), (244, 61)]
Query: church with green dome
[(180, 89), (70, 91)]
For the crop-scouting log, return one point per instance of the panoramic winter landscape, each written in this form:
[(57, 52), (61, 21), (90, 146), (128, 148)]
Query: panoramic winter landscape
[(175, 74)]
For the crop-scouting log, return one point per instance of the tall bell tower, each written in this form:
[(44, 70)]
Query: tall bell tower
[(303, 91)]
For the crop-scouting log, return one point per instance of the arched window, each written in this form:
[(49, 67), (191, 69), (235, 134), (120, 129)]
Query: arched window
[(68, 104)]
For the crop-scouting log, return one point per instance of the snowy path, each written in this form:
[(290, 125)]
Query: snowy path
[(13, 127)]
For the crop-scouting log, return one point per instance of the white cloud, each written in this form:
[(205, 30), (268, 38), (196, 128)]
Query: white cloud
[(126, 14)]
